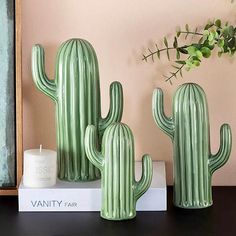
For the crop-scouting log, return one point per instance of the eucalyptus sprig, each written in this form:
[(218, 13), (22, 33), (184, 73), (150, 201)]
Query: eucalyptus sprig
[(214, 35)]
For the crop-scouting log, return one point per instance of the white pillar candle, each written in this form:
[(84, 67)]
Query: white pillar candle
[(40, 168)]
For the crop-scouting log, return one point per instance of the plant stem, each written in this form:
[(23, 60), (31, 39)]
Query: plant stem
[(175, 73), (151, 54), (186, 32)]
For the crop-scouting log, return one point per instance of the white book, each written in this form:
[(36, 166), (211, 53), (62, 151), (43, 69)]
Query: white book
[(86, 196)]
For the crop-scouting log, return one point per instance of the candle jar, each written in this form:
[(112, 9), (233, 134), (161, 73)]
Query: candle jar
[(40, 168)]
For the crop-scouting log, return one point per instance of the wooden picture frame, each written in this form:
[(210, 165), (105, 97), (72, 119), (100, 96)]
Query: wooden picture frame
[(18, 103)]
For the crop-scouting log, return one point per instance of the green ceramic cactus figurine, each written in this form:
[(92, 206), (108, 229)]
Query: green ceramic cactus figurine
[(76, 93), (189, 130), (120, 191)]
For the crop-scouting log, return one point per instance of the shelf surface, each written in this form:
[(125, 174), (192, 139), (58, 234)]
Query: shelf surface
[(220, 219), (86, 196)]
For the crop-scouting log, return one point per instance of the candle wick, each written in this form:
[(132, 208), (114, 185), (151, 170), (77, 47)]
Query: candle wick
[(40, 148)]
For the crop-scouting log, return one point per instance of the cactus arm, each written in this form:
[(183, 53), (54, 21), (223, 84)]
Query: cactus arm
[(93, 154), (45, 85), (166, 124), (145, 181), (221, 157), (116, 107)]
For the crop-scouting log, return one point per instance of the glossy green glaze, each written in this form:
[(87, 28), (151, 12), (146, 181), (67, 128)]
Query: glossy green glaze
[(189, 130), (120, 191), (76, 93)]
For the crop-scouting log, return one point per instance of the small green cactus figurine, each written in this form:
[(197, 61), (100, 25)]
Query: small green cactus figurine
[(120, 191), (189, 130), (76, 93)]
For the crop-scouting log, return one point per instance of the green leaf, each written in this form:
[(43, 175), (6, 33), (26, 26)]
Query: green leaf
[(197, 46), (157, 51), (195, 58), (206, 52), (200, 40), (196, 63), (177, 54), (231, 31), (178, 32), (183, 50), (191, 50), (168, 55), (206, 32), (176, 67), (165, 42), (211, 42), (205, 35), (206, 44), (181, 62), (189, 63), (225, 32), (211, 37), (218, 23), (186, 36), (220, 54), (221, 43), (180, 72), (187, 27), (215, 34), (175, 44), (208, 26), (199, 54)]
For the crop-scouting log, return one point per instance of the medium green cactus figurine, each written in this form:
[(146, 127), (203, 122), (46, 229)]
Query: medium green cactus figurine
[(76, 93), (120, 191), (189, 130)]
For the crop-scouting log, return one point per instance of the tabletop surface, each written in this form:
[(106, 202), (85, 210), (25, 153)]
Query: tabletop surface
[(220, 219)]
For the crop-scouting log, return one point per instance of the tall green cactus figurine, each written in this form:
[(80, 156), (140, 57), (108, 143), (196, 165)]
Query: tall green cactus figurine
[(189, 130), (120, 191), (76, 93)]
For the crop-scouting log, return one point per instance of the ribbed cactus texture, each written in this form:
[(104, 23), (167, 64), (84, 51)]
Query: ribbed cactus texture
[(189, 130), (120, 191), (76, 93)]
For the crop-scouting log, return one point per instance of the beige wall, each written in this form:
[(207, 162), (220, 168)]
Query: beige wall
[(119, 31)]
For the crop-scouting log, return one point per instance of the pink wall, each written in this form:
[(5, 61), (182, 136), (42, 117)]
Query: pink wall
[(119, 32)]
